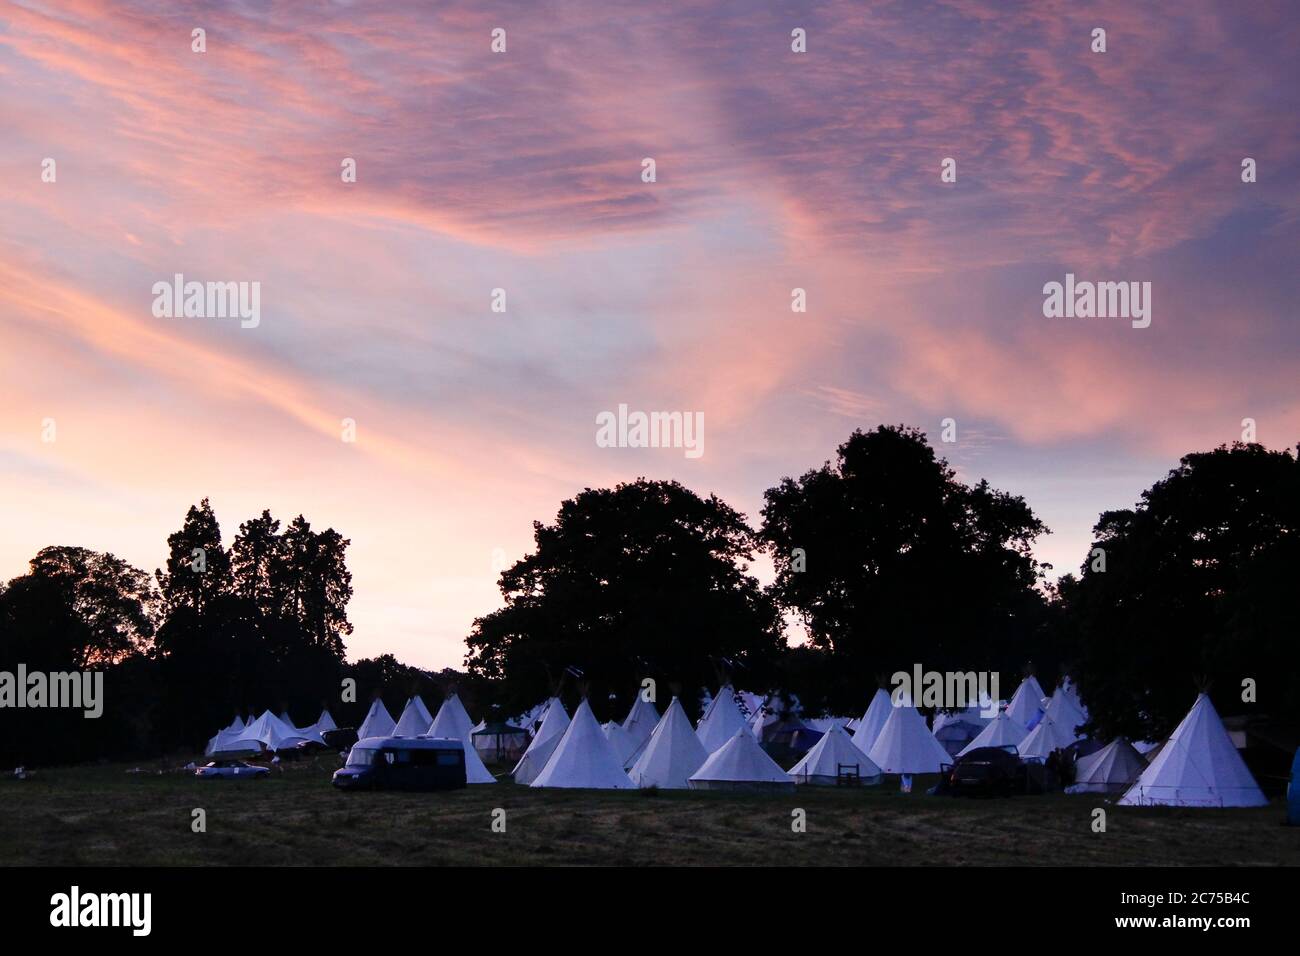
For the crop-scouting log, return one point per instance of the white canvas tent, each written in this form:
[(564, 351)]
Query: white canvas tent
[(235, 725), (271, 732), (721, 720), (641, 720), (1027, 702), (1066, 714), (584, 757), (543, 744), (905, 744), (325, 723), (740, 764), (1112, 769), (1197, 767), (453, 722), (378, 722), (1072, 692), (832, 756), (873, 721), (1046, 736), (998, 732), (415, 719), (671, 755), (620, 740)]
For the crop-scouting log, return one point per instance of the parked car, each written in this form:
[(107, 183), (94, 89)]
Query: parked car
[(340, 738), (230, 769), (996, 772), (403, 763)]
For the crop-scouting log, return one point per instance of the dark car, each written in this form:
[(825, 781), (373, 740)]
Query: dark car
[(984, 771), (340, 738), (403, 763)]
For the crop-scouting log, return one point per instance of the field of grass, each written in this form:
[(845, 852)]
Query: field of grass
[(103, 815)]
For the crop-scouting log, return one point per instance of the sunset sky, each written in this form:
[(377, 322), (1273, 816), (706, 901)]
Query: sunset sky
[(522, 171)]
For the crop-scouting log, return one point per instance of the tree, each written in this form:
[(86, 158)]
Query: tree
[(891, 561), (643, 580), (1193, 587), (198, 567), (79, 609)]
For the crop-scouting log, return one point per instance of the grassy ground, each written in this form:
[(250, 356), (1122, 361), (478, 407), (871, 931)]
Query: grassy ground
[(103, 815)]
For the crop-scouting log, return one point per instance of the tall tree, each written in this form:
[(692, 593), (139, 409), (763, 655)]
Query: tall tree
[(645, 579), (1192, 587), (891, 561), (198, 567)]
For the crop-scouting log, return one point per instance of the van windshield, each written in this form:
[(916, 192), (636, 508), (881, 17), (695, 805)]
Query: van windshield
[(361, 757)]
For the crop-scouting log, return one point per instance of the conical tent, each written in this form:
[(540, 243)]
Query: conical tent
[(721, 721), (325, 723), (619, 739), (449, 723), (640, 720), (1112, 769), (998, 732), (740, 764), (833, 755), (584, 757), (672, 754), (378, 723), (271, 732), (543, 744), (1062, 709), (1197, 767), (1072, 692), (905, 744), (415, 719), (1027, 702), (873, 721), (236, 725), (453, 720), (1046, 736)]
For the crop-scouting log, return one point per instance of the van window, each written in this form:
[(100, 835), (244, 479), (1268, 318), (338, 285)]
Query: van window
[(448, 758), (361, 757)]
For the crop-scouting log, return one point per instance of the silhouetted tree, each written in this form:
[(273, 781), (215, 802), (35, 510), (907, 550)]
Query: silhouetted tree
[(1198, 586), (891, 561), (645, 579)]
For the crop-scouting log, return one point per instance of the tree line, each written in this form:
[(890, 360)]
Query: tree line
[(882, 557)]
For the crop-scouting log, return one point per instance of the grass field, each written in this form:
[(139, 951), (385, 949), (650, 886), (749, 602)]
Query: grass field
[(104, 816)]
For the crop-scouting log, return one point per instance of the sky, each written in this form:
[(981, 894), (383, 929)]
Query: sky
[(522, 170)]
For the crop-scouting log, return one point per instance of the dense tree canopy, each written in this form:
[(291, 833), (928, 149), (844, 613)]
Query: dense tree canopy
[(643, 580), (1194, 586), (891, 561)]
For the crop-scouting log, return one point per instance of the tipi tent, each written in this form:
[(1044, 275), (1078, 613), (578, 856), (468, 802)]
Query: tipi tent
[(584, 757), (1197, 767), (620, 740), (236, 725), (905, 744), (872, 721), (271, 732), (1072, 693), (1112, 769), (378, 723), (415, 719), (453, 722), (1046, 736), (672, 754), (721, 721), (998, 732), (641, 720), (543, 744), (325, 723), (834, 754), (740, 764), (1067, 715), (1027, 702)]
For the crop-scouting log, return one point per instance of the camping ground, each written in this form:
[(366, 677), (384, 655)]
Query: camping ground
[(103, 815)]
